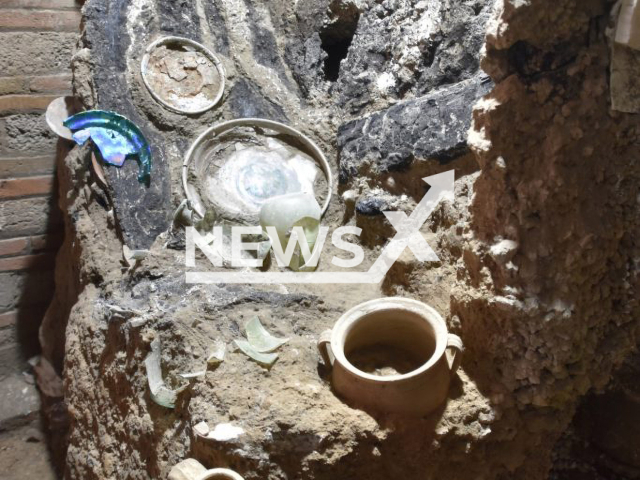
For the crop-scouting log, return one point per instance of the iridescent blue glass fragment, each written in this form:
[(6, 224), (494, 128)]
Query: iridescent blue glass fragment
[(117, 138)]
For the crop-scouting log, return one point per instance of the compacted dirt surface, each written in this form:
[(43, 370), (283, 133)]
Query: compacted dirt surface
[(513, 96), (24, 454)]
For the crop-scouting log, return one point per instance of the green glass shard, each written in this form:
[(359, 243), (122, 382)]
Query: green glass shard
[(260, 339), (264, 359), (160, 393), (216, 353)]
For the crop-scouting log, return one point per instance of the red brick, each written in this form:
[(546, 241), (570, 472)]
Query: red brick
[(50, 4), (44, 243), (13, 246), (29, 216), (8, 318), (9, 85), (26, 186), (25, 103), (27, 166), (44, 261), (53, 20), (51, 84)]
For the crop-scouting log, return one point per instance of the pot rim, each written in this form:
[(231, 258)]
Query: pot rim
[(199, 47), (346, 322), (221, 473)]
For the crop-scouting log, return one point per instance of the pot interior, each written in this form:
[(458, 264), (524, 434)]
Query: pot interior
[(390, 342)]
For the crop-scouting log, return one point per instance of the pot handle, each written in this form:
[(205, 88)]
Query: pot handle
[(324, 347), (454, 352)]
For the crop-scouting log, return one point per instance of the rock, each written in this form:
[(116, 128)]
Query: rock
[(371, 206), (245, 100), (142, 211), (503, 250), (430, 128), (404, 49)]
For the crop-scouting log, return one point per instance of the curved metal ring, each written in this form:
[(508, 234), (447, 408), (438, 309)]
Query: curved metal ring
[(200, 48), (264, 123)]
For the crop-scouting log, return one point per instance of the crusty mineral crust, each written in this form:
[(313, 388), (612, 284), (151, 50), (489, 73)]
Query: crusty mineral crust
[(541, 289), (549, 314)]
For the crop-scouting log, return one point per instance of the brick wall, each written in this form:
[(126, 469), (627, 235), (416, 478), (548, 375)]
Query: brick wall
[(36, 42)]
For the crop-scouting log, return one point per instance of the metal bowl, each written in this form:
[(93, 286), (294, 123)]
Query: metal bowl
[(235, 166), (170, 80)]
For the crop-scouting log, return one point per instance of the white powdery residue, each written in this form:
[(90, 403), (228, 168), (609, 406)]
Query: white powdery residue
[(225, 432), (190, 104), (426, 24), (133, 14), (385, 82), (503, 248), (477, 140)]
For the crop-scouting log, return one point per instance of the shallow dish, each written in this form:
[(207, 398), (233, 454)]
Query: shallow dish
[(182, 75), (234, 167)]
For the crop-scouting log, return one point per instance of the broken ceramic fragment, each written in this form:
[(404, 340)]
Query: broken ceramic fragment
[(58, 111), (223, 432), (187, 376), (235, 167), (160, 393), (182, 75), (98, 171), (133, 257), (201, 429), (116, 137), (283, 214)]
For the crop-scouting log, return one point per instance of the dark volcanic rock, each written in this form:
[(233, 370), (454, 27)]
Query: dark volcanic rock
[(217, 24), (406, 48), (370, 206), (142, 211), (265, 46), (245, 100), (433, 127), (178, 17)]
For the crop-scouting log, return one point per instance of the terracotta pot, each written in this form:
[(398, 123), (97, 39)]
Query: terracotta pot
[(401, 326), (220, 474)]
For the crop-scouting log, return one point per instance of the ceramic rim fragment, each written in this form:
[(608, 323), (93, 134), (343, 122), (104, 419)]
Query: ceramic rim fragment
[(199, 48), (58, 111), (313, 150)]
